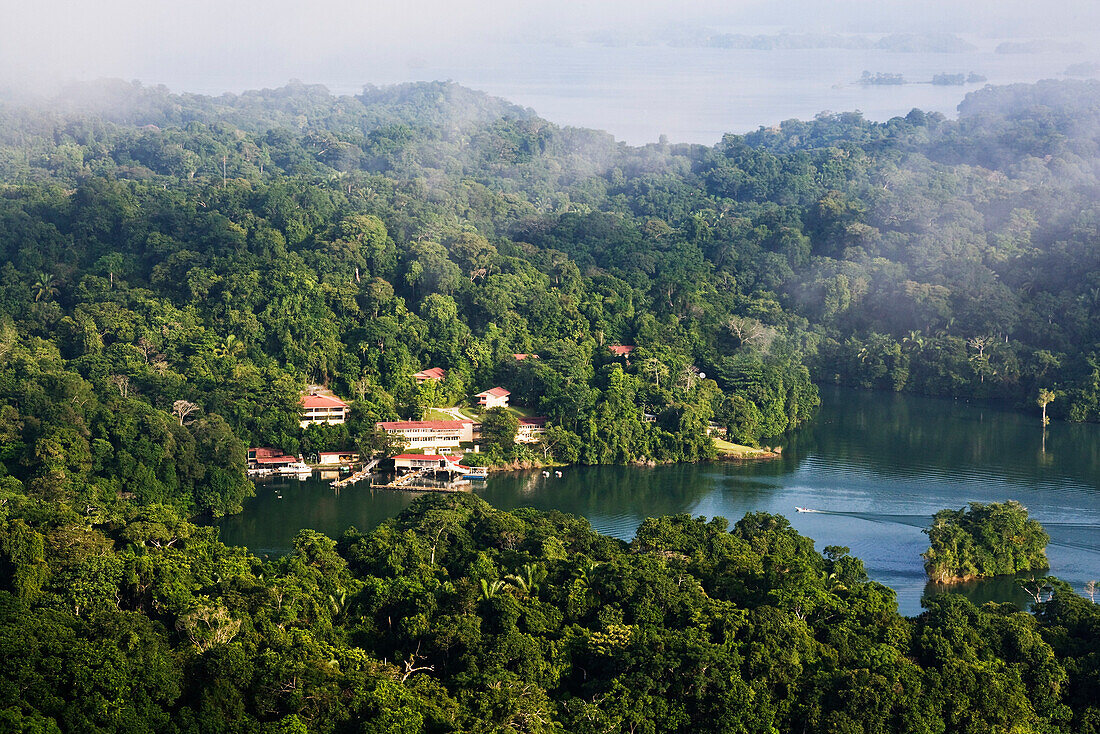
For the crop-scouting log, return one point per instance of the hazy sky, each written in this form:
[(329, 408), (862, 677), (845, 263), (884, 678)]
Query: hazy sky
[(240, 43)]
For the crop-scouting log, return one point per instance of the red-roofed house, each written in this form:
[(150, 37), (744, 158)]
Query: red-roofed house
[(494, 397), (430, 434), (263, 459), (621, 350), (322, 409), (530, 430), (521, 357), (425, 461), (432, 373)]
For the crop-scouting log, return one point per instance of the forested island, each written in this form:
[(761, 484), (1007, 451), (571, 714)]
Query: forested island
[(997, 539)]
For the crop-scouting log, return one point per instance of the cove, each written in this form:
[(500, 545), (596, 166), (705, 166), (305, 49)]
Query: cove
[(875, 465)]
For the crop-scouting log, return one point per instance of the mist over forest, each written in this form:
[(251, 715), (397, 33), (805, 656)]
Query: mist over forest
[(177, 268)]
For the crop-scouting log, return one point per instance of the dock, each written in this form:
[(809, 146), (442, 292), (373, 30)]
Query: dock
[(356, 477), (405, 482)]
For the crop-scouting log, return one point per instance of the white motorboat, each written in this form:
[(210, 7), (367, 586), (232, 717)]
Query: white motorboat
[(297, 469)]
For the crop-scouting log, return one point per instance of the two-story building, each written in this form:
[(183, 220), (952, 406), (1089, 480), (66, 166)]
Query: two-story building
[(494, 397), (530, 430), (429, 434), (322, 409)]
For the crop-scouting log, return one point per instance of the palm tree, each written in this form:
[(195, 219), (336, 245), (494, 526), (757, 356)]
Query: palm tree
[(45, 287), (231, 347)]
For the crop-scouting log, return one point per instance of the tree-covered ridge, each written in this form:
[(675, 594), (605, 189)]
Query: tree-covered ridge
[(459, 617), (996, 539), (229, 251), (923, 254)]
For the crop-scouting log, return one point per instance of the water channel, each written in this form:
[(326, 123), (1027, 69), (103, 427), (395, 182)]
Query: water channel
[(875, 465)]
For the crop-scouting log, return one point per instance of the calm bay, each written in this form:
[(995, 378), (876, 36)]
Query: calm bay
[(875, 466)]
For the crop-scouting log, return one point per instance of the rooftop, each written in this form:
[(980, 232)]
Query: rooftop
[(438, 425), (429, 457), (322, 401), (621, 349), (494, 392), (432, 373)]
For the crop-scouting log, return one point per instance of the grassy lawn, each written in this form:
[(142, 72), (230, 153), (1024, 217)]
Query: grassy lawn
[(435, 414), (520, 412), (735, 449)]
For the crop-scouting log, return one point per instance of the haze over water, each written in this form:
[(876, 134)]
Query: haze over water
[(875, 465), (637, 70)]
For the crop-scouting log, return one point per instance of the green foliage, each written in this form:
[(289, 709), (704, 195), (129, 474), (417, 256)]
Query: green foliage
[(455, 616), (984, 540)]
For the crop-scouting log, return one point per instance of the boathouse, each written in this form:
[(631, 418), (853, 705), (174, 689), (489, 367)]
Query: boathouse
[(415, 462), (265, 459), (337, 458)]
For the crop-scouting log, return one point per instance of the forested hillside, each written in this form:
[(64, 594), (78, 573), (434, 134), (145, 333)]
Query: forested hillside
[(178, 268), (227, 251)]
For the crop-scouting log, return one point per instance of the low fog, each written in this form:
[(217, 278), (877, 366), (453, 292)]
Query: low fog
[(638, 70), (245, 43)]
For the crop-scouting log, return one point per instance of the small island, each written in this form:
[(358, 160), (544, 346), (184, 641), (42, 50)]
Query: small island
[(993, 539)]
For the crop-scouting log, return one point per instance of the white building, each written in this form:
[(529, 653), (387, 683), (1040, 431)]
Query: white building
[(322, 409), (430, 434)]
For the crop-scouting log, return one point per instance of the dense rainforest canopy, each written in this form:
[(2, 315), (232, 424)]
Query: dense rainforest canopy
[(458, 617), (228, 251)]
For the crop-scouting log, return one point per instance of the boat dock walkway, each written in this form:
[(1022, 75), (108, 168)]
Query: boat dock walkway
[(357, 476)]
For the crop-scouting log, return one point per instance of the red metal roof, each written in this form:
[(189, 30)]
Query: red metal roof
[(322, 401), (535, 420), (275, 459), (432, 373), (429, 457), (494, 392), (438, 425), (621, 349), (521, 357)]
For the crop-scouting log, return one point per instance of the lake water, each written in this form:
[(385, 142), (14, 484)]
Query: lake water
[(638, 93), (876, 466)]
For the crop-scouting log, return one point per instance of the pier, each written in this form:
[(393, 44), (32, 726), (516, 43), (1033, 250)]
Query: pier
[(357, 476)]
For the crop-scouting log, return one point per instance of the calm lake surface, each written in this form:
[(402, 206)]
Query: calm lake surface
[(637, 93), (876, 466)]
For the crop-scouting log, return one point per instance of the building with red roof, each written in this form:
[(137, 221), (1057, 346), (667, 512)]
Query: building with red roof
[(494, 397), (429, 434), (425, 461), (621, 350), (432, 373), (320, 409), (530, 430), (265, 459)]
